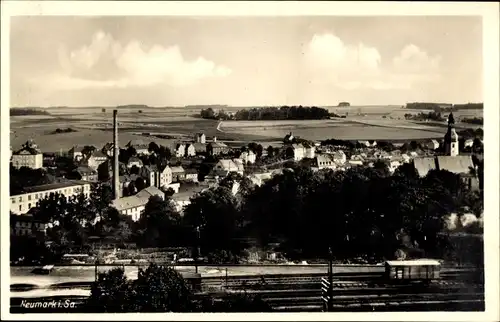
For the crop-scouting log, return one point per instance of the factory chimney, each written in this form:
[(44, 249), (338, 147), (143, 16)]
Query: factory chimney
[(116, 151)]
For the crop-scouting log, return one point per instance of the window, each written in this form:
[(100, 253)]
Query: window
[(29, 206), (20, 207), (13, 200), (29, 197)]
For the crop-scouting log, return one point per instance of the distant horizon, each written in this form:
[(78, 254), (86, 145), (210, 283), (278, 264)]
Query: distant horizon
[(238, 106)]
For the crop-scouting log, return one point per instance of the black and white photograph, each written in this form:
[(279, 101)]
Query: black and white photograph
[(183, 162)]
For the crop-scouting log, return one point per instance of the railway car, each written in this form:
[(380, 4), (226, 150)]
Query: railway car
[(418, 270)]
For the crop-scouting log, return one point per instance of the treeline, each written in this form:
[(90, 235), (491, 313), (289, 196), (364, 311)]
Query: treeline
[(269, 113), (283, 113), (18, 111), (66, 130), (24, 177), (443, 106), (434, 116), (473, 120)]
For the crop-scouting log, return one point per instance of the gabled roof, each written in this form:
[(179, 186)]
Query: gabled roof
[(99, 154), (218, 145), (298, 146), (228, 164), (460, 164), (424, 165), (178, 169), (84, 170), (134, 159), (200, 147), (77, 148), (148, 192)]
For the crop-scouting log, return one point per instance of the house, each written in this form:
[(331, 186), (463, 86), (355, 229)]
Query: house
[(462, 165), (324, 161), (364, 143), (76, 152), (180, 150), (165, 177), (134, 206), (225, 166), (28, 156), (393, 165), (200, 138), (310, 150), (216, 148), (134, 161), (406, 158), (140, 146), (432, 144), (468, 143), (191, 175), (149, 173), (155, 176), (22, 203), (49, 160), (248, 156), (296, 151), (183, 197), (150, 191), (26, 225), (86, 173), (339, 157), (200, 148), (95, 160), (178, 174), (190, 150)]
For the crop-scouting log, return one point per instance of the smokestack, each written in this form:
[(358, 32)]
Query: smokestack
[(116, 151)]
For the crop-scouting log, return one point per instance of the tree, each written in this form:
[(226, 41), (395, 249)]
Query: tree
[(215, 210), (158, 224), (140, 184), (112, 293), (131, 151), (134, 169), (103, 171), (153, 147), (161, 289), (88, 150)]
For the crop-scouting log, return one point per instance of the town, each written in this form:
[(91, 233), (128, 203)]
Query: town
[(247, 164)]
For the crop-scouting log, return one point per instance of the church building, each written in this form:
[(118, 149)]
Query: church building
[(451, 160)]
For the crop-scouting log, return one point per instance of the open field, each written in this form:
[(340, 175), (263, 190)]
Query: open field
[(94, 126)]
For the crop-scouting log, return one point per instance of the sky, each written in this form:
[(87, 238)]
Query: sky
[(244, 61)]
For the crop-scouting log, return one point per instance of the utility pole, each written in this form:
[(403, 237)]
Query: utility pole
[(198, 250), (330, 279)]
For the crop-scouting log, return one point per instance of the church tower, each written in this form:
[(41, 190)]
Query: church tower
[(451, 138)]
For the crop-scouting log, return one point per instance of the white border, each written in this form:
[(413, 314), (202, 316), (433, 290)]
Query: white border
[(490, 14)]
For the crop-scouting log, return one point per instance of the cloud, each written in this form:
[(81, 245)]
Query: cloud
[(106, 63), (329, 60)]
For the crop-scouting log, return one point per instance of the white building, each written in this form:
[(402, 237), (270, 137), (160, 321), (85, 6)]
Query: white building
[(248, 157), (134, 206), (225, 166), (22, 203), (28, 156)]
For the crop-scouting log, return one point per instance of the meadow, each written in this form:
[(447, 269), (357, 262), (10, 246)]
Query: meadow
[(94, 126)]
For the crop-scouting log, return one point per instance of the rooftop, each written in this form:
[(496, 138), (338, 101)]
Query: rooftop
[(57, 185)]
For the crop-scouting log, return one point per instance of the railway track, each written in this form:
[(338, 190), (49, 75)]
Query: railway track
[(303, 292)]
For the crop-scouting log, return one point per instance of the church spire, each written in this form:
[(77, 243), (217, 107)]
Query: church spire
[(451, 120), (451, 138)]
